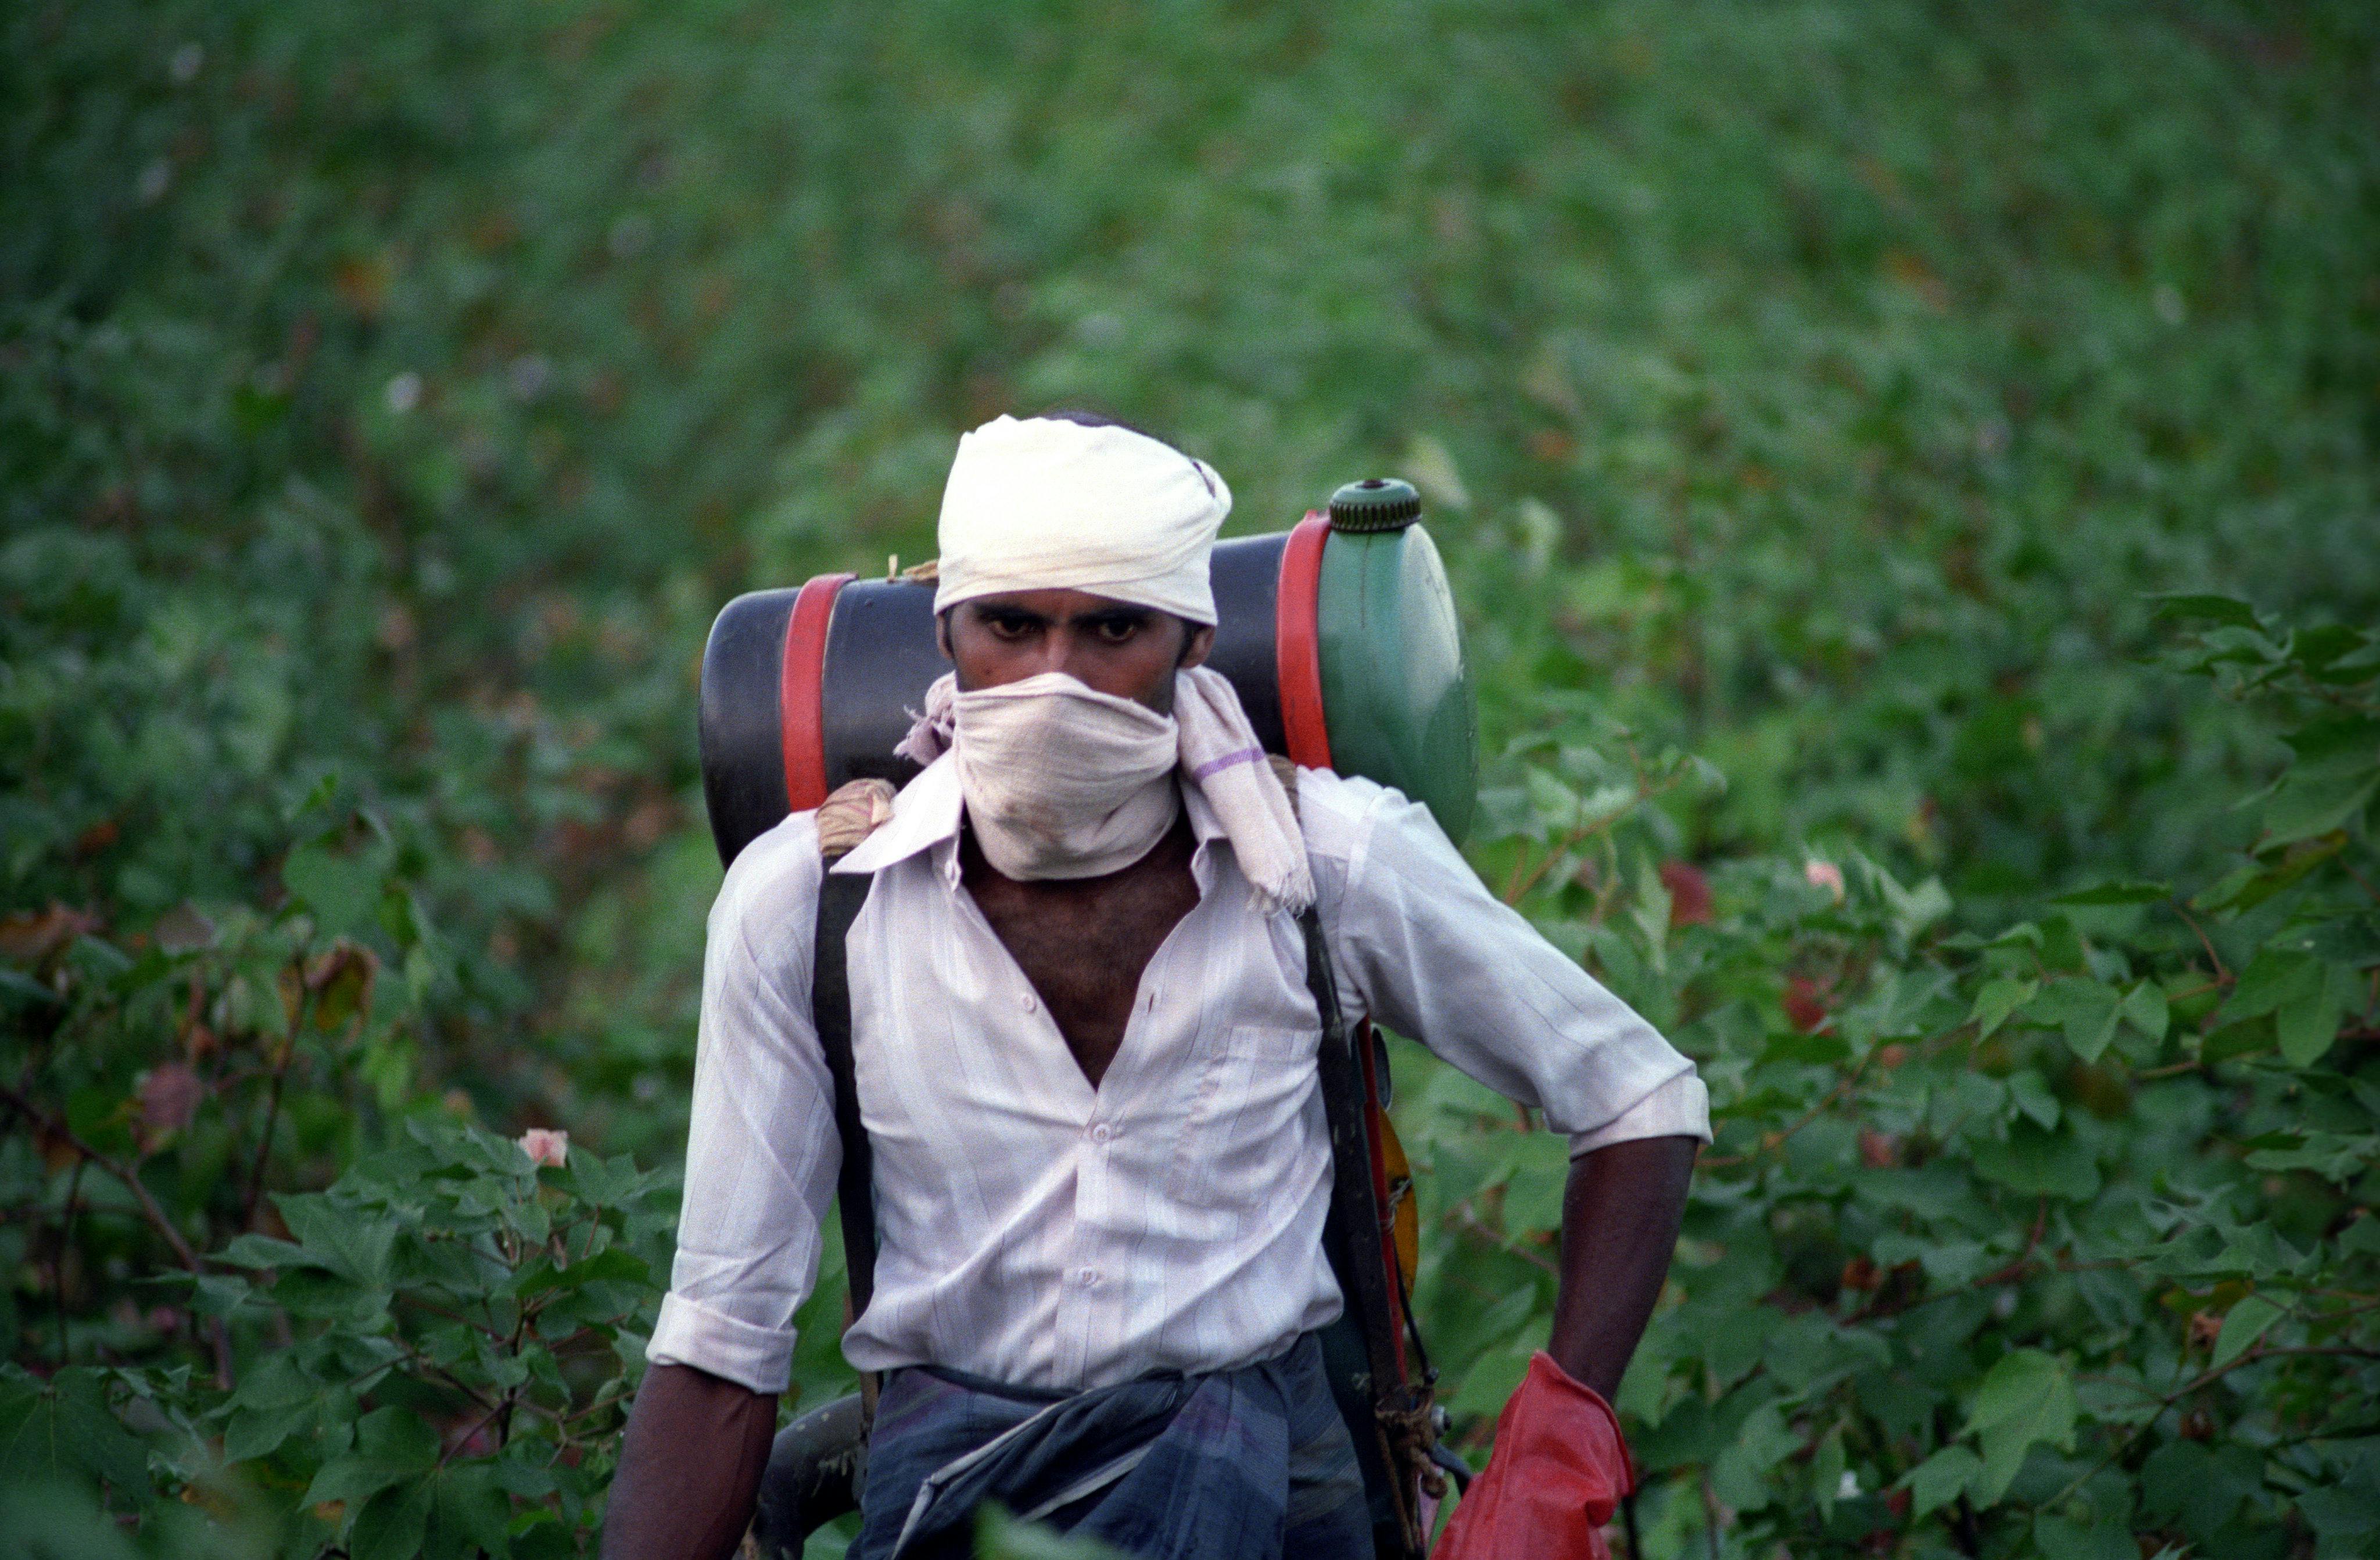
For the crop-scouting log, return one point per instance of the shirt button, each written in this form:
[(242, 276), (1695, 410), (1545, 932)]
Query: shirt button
[(1102, 1132), (1025, 1000), (1090, 1275)]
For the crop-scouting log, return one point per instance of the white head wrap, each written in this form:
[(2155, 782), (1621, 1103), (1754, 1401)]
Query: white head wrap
[(1042, 504)]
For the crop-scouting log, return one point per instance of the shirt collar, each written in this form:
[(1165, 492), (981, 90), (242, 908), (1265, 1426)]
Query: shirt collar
[(926, 817)]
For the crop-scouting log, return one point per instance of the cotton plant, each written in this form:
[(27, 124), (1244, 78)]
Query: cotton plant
[(2015, 1241)]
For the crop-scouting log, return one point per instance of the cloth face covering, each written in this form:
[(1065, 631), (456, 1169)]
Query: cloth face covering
[(1061, 781)]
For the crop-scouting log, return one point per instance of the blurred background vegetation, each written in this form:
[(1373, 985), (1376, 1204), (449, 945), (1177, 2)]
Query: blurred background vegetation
[(389, 398)]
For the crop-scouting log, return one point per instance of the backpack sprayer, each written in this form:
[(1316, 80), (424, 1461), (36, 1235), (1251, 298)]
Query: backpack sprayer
[(1341, 637)]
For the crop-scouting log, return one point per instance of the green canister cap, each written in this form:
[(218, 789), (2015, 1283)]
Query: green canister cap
[(1375, 504)]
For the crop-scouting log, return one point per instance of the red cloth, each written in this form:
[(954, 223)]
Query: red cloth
[(1557, 1475)]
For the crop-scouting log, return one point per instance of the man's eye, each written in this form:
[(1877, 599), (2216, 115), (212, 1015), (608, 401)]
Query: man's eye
[(1115, 631), (1010, 627)]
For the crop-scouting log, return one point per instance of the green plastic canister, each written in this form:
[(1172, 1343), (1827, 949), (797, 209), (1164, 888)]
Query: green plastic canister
[(1396, 693)]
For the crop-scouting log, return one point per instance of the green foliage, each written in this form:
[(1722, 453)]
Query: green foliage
[(2008, 1244), (436, 1362), (1873, 406), (1000, 1536)]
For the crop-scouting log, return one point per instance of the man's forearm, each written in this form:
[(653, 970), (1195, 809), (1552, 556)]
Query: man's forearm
[(1620, 1214), (690, 1467)]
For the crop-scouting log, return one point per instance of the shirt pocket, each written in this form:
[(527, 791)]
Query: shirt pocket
[(1244, 1138)]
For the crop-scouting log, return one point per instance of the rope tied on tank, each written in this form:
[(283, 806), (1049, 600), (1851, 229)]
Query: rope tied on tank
[(855, 811)]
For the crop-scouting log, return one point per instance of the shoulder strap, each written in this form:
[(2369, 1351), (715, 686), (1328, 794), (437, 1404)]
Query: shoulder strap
[(847, 817), (840, 896), (1352, 1230)]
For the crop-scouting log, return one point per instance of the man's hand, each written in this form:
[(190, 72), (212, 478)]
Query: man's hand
[(1620, 1214), (690, 1467)]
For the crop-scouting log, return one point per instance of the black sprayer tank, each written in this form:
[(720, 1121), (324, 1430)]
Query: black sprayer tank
[(1339, 636)]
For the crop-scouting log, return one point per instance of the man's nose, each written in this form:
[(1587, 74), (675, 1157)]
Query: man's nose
[(1064, 650)]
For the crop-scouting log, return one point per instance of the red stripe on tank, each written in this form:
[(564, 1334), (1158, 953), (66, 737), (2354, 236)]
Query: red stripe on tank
[(800, 688), (1297, 641)]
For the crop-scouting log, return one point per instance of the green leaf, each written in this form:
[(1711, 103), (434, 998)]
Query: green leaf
[(352, 1242), (2146, 1010), (1998, 1000), (2341, 1510), (2331, 1155), (2032, 1096), (2308, 1021), (2318, 648), (392, 1445), (2228, 610), (1650, 911), (1740, 1473), (2202, 1487), (2060, 1540), (1505, 813), (2309, 804), (42, 1518), (1826, 1471), (261, 1251), (273, 1401), (64, 1427), (2241, 1038), (342, 891), (2248, 1320), (1823, 1049), (1941, 1479), (216, 1294), (1914, 910), (471, 1510), (614, 1263), (999, 1536), (2122, 892), (2274, 977), (252, 1433), (390, 1528), (1541, 1176), (2341, 742), (2027, 1398), (24, 988), (1555, 804), (2084, 1010), (1490, 1380)]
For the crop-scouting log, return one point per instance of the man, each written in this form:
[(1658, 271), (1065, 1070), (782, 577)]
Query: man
[(1085, 1049)]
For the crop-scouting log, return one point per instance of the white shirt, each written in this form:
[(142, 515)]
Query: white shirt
[(1033, 1229)]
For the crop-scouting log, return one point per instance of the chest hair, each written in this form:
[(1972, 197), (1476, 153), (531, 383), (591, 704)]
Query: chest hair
[(1084, 943)]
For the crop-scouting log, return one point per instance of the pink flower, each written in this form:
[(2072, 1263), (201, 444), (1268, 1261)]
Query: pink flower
[(1805, 1005), (1826, 875), (545, 1145), (169, 1096), (1690, 894)]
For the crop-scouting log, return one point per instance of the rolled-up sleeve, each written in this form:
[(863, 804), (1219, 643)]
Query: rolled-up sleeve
[(761, 1153), (1431, 954)]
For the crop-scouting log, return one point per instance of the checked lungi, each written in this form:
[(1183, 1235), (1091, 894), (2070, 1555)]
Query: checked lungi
[(1243, 1464)]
